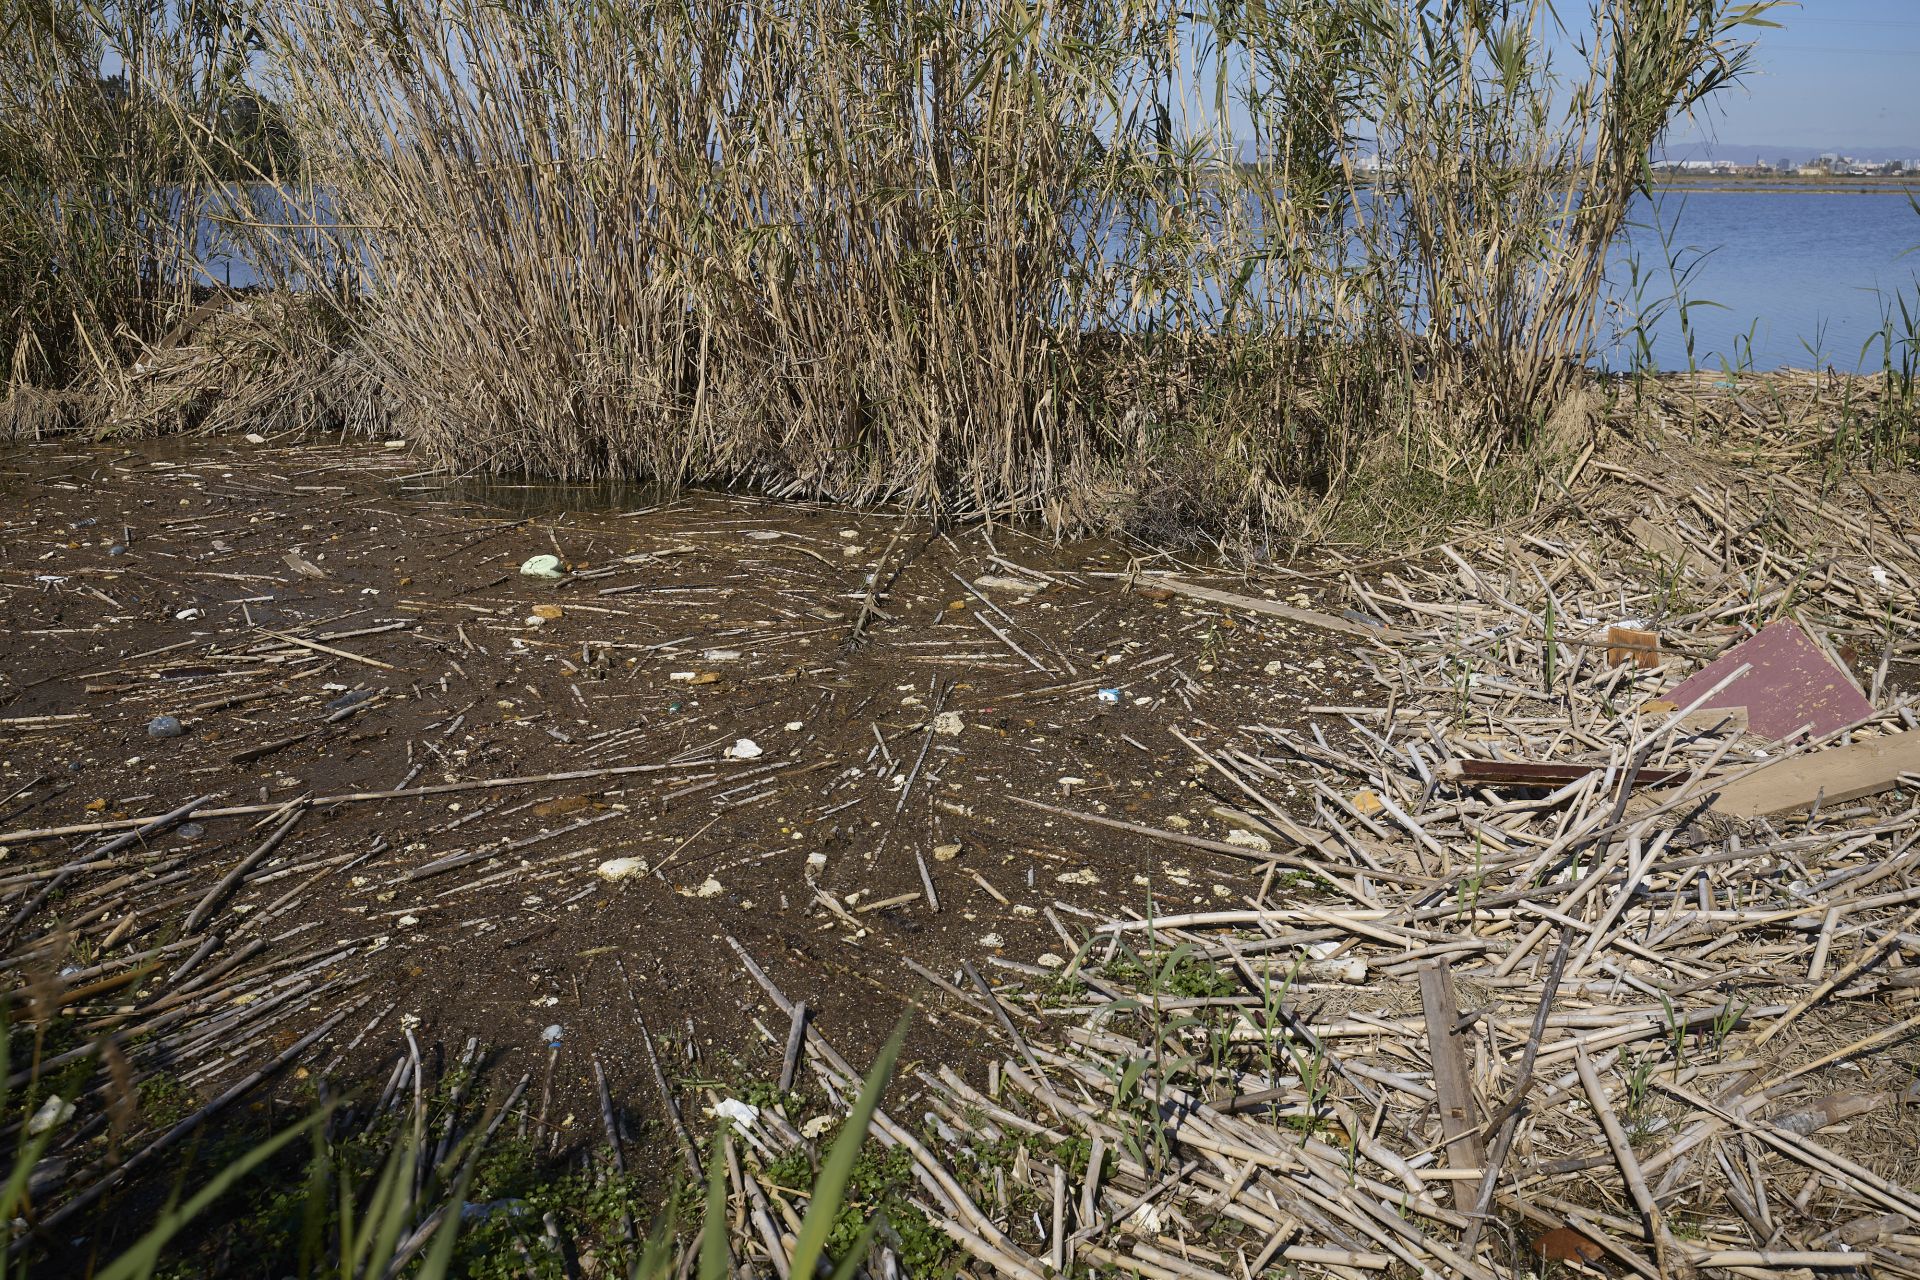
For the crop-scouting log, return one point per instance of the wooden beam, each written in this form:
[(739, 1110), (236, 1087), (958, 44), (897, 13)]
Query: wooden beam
[(1830, 776), (1459, 1116)]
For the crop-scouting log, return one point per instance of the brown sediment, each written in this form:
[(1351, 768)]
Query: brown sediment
[(1668, 1026)]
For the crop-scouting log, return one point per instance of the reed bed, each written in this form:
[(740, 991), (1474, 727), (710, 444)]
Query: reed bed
[(1103, 258), (981, 258), (117, 125)]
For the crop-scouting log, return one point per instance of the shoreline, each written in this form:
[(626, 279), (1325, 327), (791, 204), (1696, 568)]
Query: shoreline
[(1831, 186)]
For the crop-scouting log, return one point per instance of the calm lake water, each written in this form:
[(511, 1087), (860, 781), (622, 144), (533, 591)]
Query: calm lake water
[(1800, 278), (1772, 279)]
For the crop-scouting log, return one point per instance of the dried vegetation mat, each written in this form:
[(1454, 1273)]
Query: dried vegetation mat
[(1561, 963), (1585, 943)]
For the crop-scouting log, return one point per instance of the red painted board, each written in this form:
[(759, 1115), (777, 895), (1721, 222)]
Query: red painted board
[(1792, 684)]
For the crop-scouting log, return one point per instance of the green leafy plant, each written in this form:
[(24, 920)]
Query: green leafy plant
[(375, 1203)]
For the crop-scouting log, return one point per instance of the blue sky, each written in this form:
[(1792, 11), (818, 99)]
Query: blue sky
[(1836, 75), (1841, 73)]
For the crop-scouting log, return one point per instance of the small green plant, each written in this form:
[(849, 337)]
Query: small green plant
[(765, 1093), (1639, 1082), (1136, 1126), (1669, 572), (1676, 1032), (1212, 640), (1724, 1023), (1473, 883), (1464, 677), (1184, 974), (163, 1100), (1316, 1080)]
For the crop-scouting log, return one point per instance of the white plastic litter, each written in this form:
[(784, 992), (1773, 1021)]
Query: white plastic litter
[(744, 1114), (1248, 840), (54, 1111), (1001, 582), (615, 870)]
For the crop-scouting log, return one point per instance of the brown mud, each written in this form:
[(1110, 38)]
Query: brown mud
[(322, 620)]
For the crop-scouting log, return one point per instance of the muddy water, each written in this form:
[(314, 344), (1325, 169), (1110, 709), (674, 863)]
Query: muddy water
[(528, 497)]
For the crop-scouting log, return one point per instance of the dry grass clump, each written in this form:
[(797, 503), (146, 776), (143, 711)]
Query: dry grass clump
[(264, 362)]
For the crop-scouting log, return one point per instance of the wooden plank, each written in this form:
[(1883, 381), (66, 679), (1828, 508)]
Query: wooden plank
[(1831, 776), (1526, 773), (1790, 685), (1459, 1117)]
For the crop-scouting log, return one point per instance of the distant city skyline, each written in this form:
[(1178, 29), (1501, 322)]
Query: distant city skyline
[(1838, 75)]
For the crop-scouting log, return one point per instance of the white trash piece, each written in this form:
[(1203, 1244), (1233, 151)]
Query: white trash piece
[(614, 870), (743, 1114)]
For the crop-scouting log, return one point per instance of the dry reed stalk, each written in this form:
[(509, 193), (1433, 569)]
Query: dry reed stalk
[(962, 257)]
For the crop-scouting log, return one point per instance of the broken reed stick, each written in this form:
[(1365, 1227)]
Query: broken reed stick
[(1623, 1154), (361, 797), (1256, 604), (1506, 1120), (870, 601), (1000, 1015), (939, 700), (1220, 846), (240, 869), (926, 882), (668, 1101), (1008, 641), (153, 827), (796, 1040), (329, 650)]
